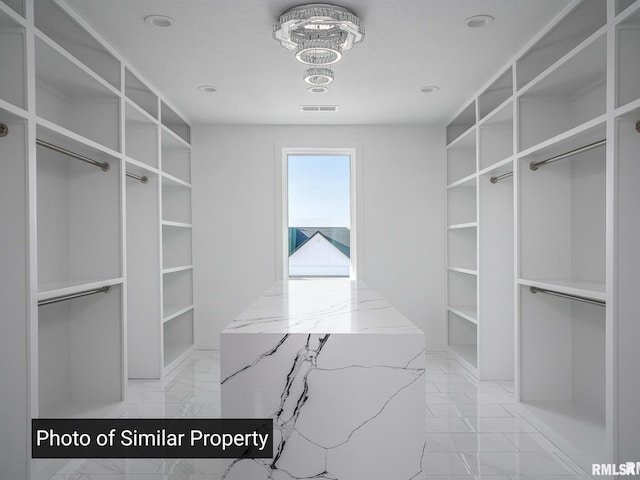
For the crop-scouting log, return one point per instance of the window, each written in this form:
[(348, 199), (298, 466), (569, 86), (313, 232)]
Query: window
[(319, 215)]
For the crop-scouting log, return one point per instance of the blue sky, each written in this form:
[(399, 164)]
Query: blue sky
[(319, 190)]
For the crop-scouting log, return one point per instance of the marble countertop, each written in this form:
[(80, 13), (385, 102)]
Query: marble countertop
[(324, 305)]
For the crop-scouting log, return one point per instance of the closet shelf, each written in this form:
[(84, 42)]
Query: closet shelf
[(458, 226), (490, 118), (70, 140), (52, 44), (464, 137), (12, 110), (181, 268), (496, 166), (166, 130), (15, 16), (468, 312), (576, 137), (142, 165), (467, 181), (594, 290), (621, 111), (174, 311), (601, 32), (628, 12), (148, 118), (467, 271), (71, 287), (176, 180), (168, 223)]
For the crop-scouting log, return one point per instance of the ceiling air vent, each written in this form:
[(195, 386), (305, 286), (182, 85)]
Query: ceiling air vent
[(319, 108)]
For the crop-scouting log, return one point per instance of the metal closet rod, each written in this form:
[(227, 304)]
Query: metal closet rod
[(103, 165), (71, 296), (534, 165), (592, 301), (141, 179), (500, 177)]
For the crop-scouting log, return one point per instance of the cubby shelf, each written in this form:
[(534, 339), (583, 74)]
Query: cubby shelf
[(173, 311), (468, 312)]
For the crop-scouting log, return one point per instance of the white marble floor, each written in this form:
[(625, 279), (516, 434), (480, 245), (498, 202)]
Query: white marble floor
[(473, 428)]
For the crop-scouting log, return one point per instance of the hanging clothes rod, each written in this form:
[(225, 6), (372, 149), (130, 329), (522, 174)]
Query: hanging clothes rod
[(84, 293), (592, 301), (534, 165), (141, 179), (500, 177), (103, 165)]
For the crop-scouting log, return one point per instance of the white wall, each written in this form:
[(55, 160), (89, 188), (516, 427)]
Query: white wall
[(234, 218)]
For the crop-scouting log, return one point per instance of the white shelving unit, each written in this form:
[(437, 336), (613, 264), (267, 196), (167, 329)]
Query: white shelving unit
[(552, 205), (101, 288)]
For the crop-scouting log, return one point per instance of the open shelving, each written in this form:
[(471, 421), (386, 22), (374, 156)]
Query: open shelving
[(176, 201), (461, 203), (462, 123), (496, 94), (92, 157), (16, 5), (622, 5), (80, 356), (70, 97), (565, 388), (12, 59), (495, 142), (496, 271), (143, 274), (627, 234), (461, 157), (463, 339), (567, 97), (14, 297), (178, 338), (174, 123), (176, 246), (60, 27), (141, 137), (586, 18), (563, 213), (79, 215), (136, 91), (627, 66), (176, 157)]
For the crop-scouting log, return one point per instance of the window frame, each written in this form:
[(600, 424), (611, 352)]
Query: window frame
[(282, 204)]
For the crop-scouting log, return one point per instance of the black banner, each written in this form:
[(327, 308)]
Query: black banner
[(152, 438)]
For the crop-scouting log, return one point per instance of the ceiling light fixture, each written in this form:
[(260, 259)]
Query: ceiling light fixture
[(429, 89), (207, 88), (159, 21), (318, 76), (478, 21), (319, 33)]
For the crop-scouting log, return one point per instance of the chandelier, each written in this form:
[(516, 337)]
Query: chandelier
[(318, 33)]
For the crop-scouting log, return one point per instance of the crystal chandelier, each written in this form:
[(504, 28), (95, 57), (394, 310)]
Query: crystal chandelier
[(318, 33)]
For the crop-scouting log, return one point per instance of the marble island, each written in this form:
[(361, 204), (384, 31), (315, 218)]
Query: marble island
[(340, 371)]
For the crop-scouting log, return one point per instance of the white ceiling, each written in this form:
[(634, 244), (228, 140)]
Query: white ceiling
[(228, 44)]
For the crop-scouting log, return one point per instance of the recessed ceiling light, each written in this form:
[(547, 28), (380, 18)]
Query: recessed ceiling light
[(159, 21), (207, 88), (317, 89), (429, 89), (478, 21)]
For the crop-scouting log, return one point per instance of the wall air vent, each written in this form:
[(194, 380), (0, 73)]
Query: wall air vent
[(319, 108)]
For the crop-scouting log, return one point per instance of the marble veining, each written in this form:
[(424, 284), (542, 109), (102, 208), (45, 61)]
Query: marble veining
[(340, 403), (321, 306)]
